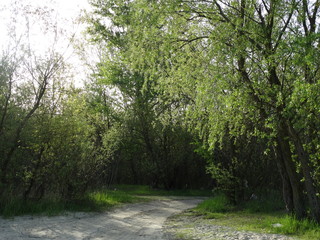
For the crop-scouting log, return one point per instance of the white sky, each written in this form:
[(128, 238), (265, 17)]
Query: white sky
[(55, 14)]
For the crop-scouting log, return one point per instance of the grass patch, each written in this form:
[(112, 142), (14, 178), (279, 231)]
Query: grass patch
[(143, 190), (101, 200), (109, 198), (218, 204), (253, 216), (289, 225), (15, 207), (94, 201), (183, 236), (268, 202)]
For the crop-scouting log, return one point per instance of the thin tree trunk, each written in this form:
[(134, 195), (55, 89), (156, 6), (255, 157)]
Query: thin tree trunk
[(34, 174), (15, 144), (297, 193), (286, 185), (16, 140), (5, 108)]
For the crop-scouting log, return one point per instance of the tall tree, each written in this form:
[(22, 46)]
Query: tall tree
[(241, 61), (154, 121)]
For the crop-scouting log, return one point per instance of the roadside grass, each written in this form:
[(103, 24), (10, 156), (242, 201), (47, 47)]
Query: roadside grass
[(93, 201), (143, 190), (218, 204), (263, 216)]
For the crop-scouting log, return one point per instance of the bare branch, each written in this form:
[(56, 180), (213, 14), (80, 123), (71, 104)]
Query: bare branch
[(285, 26)]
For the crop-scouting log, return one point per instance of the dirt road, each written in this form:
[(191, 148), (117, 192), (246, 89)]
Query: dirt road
[(142, 221)]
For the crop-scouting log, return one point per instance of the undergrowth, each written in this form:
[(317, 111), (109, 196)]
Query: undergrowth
[(93, 201), (143, 190), (263, 215), (99, 200)]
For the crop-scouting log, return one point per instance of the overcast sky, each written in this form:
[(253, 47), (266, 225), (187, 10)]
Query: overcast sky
[(60, 13), (63, 11)]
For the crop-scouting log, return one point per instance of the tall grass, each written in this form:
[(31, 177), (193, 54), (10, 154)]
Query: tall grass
[(109, 198), (143, 190), (290, 225), (267, 202), (99, 200), (16, 206), (218, 204), (94, 201), (263, 215)]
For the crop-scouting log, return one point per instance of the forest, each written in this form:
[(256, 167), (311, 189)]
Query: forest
[(187, 94)]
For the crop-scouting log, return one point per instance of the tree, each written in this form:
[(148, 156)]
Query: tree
[(242, 62), (154, 123), (31, 101), (40, 75)]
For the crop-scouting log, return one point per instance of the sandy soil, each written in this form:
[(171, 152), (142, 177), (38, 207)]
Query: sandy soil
[(130, 222), (190, 226)]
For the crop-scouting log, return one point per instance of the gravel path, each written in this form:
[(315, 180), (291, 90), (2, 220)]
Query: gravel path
[(189, 227), (142, 221), (156, 220)]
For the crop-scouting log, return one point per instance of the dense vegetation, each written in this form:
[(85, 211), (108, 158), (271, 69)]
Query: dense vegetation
[(94, 201), (183, 88), (261, 215)]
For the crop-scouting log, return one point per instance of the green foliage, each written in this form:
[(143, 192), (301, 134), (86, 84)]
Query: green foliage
[(57, 142), (242, 71), (151, 124), (239, 78)]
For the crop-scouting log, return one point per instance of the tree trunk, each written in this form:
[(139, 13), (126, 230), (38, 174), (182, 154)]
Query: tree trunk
[(34, 174), (286, 185), (15, 144), (297, 193), (306, 170)]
